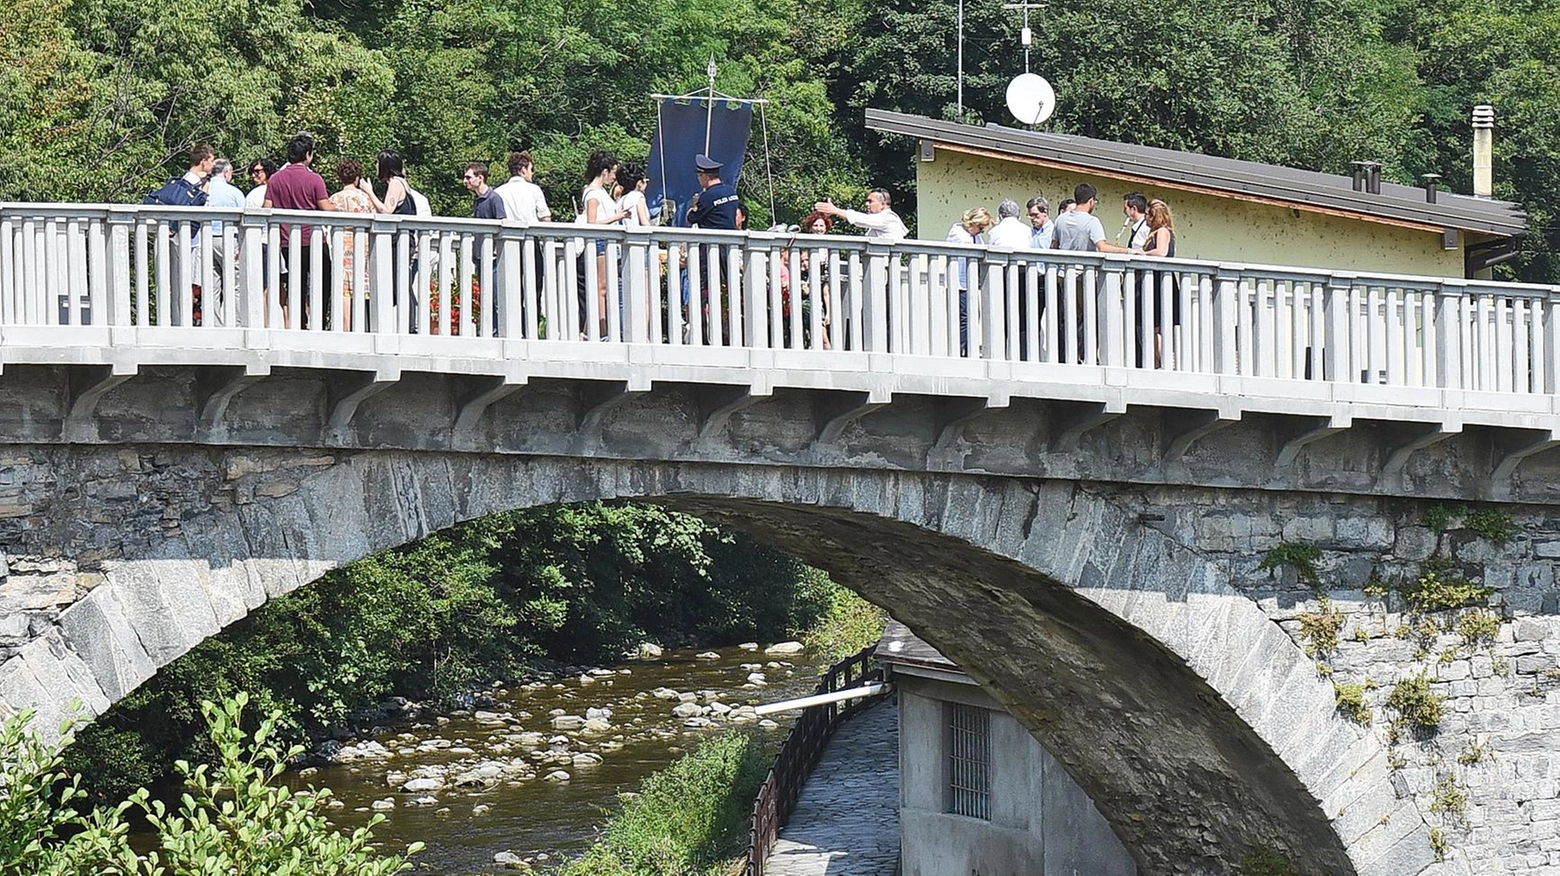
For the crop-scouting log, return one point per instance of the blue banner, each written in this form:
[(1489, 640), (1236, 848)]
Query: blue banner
[(680, 137)]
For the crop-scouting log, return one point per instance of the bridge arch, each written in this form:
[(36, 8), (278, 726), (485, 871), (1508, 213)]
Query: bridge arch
[(1194, 722)]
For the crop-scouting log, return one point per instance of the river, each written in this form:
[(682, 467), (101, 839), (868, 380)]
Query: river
[(485, 785)]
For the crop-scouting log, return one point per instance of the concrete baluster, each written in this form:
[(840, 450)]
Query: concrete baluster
[(761, 256), (875, 307), (734, 332)]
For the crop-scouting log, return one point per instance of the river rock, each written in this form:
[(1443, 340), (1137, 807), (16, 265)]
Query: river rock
[(751, 667), (707, 655), (598, 725), (441, 721), (557, 776), (756, 679), (648, 651), (568, 722), (463, 750), (785, 649), (382, 805), (601, 673), (489, 718), (481, 809), (688, 697), (308, 772), (688, 710), (768, 724), (665, 693), (332, 751), (395, 778), (697, 723), (597, 713), (425, 801), (418, 786), (507, 858), (719, 708), (585, 758), (749, 646)]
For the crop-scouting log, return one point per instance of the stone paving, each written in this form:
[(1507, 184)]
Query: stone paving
[(846, 821)]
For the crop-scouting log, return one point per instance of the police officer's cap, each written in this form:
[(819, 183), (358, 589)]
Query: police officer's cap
[(705, 164)]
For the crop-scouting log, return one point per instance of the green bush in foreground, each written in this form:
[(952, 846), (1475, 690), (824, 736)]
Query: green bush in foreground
[(231, 820), (690, 818)]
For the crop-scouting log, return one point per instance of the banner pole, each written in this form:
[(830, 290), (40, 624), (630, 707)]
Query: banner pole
[(709, 108)]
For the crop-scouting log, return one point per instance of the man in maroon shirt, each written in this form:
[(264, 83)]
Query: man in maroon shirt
[(296, 187)]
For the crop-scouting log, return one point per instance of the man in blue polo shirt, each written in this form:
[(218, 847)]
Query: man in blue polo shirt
[(717, 205)]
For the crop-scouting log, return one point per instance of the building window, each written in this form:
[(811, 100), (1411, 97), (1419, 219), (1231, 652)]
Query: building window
[(969, 761)]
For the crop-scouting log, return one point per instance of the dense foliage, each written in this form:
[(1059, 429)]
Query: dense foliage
[(478, 602), (688, 819), (231, 819), (102, 95)]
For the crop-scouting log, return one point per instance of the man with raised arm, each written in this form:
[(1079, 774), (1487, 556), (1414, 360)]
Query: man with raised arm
[(880, 221)]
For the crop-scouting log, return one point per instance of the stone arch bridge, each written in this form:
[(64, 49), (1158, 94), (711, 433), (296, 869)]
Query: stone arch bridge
[(1085, 539)]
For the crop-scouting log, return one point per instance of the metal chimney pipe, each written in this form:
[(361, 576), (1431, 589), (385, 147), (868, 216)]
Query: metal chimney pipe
[(1359, 175), (1373, 177), (1483, 151), (1431, 186)]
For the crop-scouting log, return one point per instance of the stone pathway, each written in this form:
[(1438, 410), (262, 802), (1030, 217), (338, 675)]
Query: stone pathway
[(846, 821)]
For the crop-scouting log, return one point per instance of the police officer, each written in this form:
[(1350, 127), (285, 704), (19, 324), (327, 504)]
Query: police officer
[(717, 205)]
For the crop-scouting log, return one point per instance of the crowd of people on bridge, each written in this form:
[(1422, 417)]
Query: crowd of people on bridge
[(614, 194)]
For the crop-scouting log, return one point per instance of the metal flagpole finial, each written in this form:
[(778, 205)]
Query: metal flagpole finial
[(710, 69)]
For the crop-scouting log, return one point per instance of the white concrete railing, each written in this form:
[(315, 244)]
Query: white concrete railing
[(119, 265)]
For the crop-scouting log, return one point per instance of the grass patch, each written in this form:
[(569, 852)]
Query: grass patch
[(689, 819), (1416, 704), (1320, 628)]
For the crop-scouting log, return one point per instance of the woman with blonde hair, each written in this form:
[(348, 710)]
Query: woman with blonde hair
[(1160, 242), (969, 229)]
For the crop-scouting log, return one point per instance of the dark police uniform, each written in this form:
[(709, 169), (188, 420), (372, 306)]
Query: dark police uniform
[(716, 206)]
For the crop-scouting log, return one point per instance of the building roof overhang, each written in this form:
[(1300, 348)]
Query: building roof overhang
[(1224, 177)]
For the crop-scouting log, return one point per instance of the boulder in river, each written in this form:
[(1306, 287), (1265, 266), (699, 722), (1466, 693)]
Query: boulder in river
[(420, 785), (481, 809), (647, 651), (557, 776), (598, 725), (688, 710), (707, 655), (594, 712), (665, 693), (586, 758), (382, 805), (749, 646), (568, 722), (785, 649)]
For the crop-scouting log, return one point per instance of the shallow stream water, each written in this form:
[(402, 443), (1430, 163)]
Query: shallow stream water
[(501, 756)]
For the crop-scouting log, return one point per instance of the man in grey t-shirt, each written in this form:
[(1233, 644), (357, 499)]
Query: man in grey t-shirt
[(1079, 229)]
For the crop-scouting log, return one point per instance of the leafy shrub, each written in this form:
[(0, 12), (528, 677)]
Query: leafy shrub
[(1320, 628), (1300, 557), (1416, 704), (1351, 702)]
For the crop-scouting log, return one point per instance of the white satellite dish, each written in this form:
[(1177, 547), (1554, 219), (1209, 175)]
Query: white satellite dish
[(1030, 98)]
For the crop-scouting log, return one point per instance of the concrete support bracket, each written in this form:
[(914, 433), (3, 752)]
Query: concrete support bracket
[(215, 387), (85, 387), (1433, 433), (953, 414), (1531, 444), (1072, 421), (347, 391), (1315, 429), (716, 406), (596, 404), (476, 395), (857, 406), (1185, 428)]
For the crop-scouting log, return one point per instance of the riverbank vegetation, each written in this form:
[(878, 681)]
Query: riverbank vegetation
[(689, 819), (492, 599), (231, 819)]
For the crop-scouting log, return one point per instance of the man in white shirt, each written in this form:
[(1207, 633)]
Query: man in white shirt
[(1009, 232), (523, 198), (1135, 207), (224, 195), (880, 222)]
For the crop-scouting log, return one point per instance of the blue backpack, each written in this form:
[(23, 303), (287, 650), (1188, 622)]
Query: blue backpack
[(176, 192)]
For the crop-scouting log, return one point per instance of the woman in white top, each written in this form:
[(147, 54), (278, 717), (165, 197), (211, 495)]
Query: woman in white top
[(601, 172), (260, 170), (632, 204)]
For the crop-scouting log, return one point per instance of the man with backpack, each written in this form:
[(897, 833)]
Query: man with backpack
[(188, 190), (296, 187)]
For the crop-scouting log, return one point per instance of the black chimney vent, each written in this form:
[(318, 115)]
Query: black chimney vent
[(1430, 186)]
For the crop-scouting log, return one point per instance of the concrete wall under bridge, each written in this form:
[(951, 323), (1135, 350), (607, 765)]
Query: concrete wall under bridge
[(1105, 591)]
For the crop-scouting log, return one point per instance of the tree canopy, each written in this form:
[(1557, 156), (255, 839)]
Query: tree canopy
[(106, 94)]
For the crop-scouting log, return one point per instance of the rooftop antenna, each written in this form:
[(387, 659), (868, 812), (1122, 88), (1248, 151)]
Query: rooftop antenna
[(1030, 98)]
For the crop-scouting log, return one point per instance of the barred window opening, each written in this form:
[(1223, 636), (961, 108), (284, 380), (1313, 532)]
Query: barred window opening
[(969, 761)]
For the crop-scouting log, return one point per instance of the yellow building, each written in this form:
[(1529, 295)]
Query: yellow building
[(1225, 210)]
